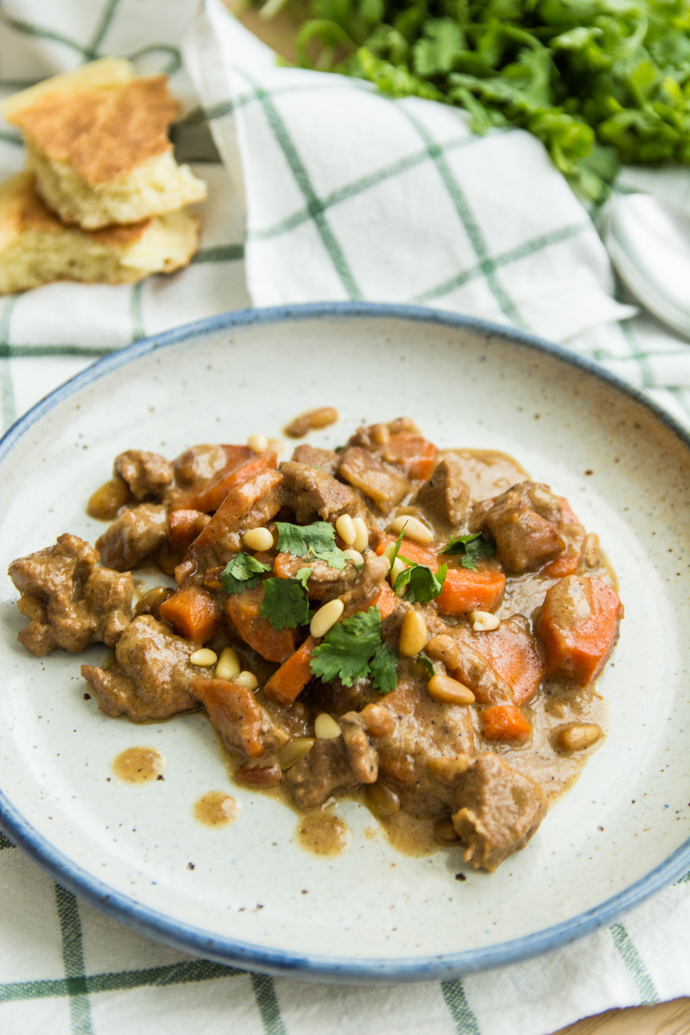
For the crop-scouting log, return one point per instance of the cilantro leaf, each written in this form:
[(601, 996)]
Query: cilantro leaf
[(242, 572), (472, 547), (426, 662), (348, 647), (423, 585), (285, 604), (398, 544), (383, 669), (317, 539), (303, 575)]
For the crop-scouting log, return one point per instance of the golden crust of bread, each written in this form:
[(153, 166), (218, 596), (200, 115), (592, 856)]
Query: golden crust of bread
[(102, 74), (103, 133)]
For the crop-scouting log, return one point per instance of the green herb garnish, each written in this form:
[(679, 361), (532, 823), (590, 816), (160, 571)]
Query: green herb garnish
[(317, 540), (423, 585), (242, 572), (285, 604), (353, 649), (426, 662), (472, 547)]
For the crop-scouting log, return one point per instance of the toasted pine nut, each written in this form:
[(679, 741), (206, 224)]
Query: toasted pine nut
[(484, 621), (579, 735), (414, 528), (294, 750), (151, 601), (228, 664), (413, 634), (258, 443), (362, 540), (398, 567), (203, 658), (389, 551), (354, 556), (449, 691), (447, 768), (591, 551), (258, 539), (345, 527), (325, 727), (105, 502), (326, 617), (445, 832), (382, 799), (322, 417), (247, 679)]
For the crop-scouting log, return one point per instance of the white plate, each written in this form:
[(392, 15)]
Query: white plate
[(254, 898)]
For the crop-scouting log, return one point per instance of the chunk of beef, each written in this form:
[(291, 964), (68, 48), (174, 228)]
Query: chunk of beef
[(375, 436), (325, 583), (146, 474), (362, 755), (445, 496), (324, 459), (71, 602), (199, 464), (382, 484), (313, 494), (135, 533), (524, 522), (470, 667), (323, 770), (239, 718), (249, 505), (497, 811), (152, 677), (367, 585)]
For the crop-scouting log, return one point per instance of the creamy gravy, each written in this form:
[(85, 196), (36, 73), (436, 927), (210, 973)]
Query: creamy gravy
[(139, 765)]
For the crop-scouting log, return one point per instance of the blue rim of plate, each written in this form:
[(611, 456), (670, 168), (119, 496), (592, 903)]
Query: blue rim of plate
[(188, 938)]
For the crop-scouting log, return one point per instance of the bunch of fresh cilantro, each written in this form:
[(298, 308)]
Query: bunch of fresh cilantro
[(598, 81)]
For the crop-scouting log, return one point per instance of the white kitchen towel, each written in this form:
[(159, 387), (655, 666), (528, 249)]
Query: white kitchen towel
[(64, 966)]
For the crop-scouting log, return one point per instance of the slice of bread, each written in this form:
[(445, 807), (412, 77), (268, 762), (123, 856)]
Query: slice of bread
[(97, 143), (36, 248)]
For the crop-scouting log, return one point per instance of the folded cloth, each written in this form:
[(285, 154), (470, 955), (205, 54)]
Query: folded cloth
[(361, 195)]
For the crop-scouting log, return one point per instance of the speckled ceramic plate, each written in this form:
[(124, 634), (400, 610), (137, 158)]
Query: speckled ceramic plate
[(253, 897)]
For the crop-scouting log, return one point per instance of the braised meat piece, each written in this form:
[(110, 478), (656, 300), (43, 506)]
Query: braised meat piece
[(152, 677), (200, 464), (367, 586), (71, 602), (239, 718), (362, 755), (524, 522), (323, 459), (147, 474), (323, 770), (135, 533), (497, 811), (384, 485), (313, 494), (324, 583), (445, 496)]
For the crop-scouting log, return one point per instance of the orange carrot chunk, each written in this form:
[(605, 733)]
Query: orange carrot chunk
[(465, 590), (414, 552), (193, 613), (564, 565), (513, 654), (235, 713), (185, 525), (385, 600), (505, 722), (243, 610), (579, 624), (289, 681), (210, 497), (415, 453)]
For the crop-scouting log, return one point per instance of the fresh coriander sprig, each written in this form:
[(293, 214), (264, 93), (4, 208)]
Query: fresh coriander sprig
[(242, 572), (472, 547), (353, 649), (316, 540), (423, 585), (285, 604)]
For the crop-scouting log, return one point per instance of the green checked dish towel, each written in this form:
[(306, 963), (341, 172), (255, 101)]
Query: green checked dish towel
[(327, 191)]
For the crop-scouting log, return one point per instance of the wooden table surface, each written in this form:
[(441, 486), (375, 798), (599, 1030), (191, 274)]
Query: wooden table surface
[(665, 1018)]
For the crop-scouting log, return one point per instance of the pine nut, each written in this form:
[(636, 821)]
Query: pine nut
[(354, 556), (322, 417), (414, 528), (294, 750), (579, 736), (105, 502), (345, 527), (445, 832), (389, 551), (246, 679), (362, 539), (326, 617), (398, 567), (258, 539), (382, 799), (484, 621), (228, 664), (203, 658), (449, 691), (258, 443), (413, 634), (325, 727)]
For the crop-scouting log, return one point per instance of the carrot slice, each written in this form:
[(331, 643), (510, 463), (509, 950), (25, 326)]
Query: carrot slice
[(283, 566), (193, 613), (289, 681), (579, 624), (505, 722), (514, 656), (564, 565), (465, 590), (415, 453), (185, 525), (385, 600), (209, 498), (414, 552), (243, 609), (235, 713)]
